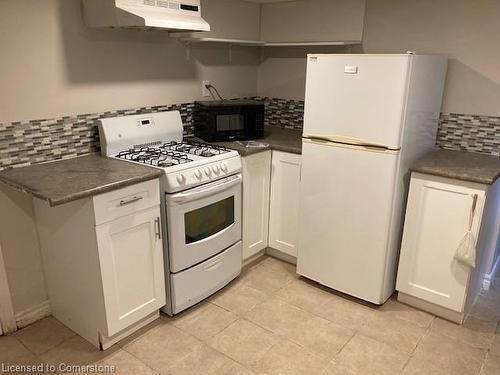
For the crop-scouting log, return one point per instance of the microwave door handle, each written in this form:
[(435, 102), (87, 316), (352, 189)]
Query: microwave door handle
[(208, 190)]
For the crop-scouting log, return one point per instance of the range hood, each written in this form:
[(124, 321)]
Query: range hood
[(175, 15)]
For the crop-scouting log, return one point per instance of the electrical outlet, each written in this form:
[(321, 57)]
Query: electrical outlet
[(204, 91)]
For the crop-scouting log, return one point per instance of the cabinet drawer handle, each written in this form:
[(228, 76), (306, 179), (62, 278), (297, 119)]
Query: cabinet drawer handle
[(124, 202), (157, 228)]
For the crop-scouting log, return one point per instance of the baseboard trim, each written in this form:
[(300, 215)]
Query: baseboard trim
[(443, 312), (33, 314), (281, 255)]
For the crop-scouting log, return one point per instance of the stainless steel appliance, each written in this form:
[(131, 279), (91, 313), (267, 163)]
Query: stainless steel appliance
[(201, 202), (228, 120)]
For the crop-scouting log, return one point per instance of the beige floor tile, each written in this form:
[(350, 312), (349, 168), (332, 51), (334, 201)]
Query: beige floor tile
[(398, 333), (76, 351), (335, 369), (234, 368), (345, 312), (206, 321), (239, 298), (366, 356), (321, 336), (163, 347), (203, 360), (474, 332), (495, 345), (44, 335), (12, 351), (287, 358), (163, 320), (278, 316), (441, 355), (486, 309), (269, 276), (491, 366), (395, 309), (305, 295), (127, 364), (244, 342)]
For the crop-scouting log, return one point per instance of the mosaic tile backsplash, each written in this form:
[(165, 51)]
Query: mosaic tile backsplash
[(469, 133), (24, 143)]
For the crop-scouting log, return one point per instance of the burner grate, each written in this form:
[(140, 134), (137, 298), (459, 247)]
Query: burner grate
[(195, 148), (155, 157)]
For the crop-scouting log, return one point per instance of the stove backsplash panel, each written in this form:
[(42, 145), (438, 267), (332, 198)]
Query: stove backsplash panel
[(37, 141)]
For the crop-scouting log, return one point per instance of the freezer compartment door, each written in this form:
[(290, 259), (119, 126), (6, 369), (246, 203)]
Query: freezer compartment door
[(357, 97), (346, 198)]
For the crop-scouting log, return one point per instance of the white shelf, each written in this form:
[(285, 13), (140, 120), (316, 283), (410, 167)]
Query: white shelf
[(294, 44), (221, 40), (260, 43)]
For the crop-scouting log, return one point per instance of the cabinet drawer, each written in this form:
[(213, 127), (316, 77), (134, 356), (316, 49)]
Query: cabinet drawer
[(121, 202), (192, 285)]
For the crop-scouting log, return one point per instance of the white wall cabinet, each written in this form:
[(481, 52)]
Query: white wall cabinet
[(103, 261), (256, 192), (437, 217), (313, 21), (284, 208)]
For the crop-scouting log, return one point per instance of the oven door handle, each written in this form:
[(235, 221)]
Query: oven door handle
[(204, 191)]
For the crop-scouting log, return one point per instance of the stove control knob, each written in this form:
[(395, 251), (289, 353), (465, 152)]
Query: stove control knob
[(216, 169), (223, 167), (208, 171), (181, 179), (198, 174)]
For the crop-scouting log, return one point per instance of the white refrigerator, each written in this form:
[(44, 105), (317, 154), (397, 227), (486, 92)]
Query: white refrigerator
[(367, 118)]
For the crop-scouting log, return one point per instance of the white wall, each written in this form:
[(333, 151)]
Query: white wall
[(467, 31), (51, 65)]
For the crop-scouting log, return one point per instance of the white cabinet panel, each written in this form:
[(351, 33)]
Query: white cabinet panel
[(131, 260), (437, 217), (313, 21), (256, 186), (284, 210)]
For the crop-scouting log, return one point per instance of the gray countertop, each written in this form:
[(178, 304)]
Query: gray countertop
[(460, 165), (280, 139), (71, 179)]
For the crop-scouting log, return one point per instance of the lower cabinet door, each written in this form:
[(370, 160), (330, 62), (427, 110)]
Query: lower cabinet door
[(131, 259), (437, 218), (284, 211), (256, 185)]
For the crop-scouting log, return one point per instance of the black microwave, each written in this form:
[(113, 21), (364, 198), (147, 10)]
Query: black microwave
[(228, 120)]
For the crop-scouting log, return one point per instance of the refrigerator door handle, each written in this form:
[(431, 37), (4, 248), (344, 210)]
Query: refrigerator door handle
[(355, 146)]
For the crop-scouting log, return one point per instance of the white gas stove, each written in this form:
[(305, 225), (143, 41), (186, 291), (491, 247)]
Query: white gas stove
[(156, 140), (201, 201)]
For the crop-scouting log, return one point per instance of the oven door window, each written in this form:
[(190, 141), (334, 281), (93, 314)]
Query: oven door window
[(209, 220)]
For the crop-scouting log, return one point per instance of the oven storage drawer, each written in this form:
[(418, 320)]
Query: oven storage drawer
[(196, 283), (126, 201)]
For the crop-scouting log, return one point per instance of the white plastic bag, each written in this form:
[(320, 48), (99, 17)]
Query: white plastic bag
[(466, 252)]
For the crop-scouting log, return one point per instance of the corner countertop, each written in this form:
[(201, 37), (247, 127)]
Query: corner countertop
[(280, 139), (68, 180), (460, 165)]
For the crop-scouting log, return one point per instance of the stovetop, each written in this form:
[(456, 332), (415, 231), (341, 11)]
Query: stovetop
[(172, 153)]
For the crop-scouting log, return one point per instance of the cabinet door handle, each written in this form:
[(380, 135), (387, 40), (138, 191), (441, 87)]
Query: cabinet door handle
[(157, 228), (124, 202), (472, 211)]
